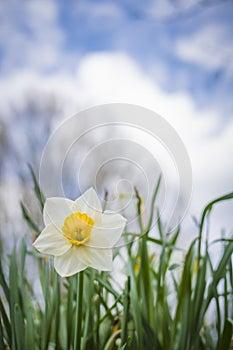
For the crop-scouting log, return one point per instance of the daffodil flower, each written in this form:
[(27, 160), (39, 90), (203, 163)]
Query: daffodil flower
[(78, 234)]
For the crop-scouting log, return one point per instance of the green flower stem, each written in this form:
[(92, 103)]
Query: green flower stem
[(126, 298), (78, 315)]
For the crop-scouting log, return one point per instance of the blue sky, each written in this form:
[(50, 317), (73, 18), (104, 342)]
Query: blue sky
[(163, 40), (183, 47)]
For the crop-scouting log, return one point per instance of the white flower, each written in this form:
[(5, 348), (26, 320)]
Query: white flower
[(79, 234)]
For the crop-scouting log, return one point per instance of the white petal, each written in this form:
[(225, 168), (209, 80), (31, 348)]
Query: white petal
[(109, 233), (88, 203), (69, 263), (56, 209), (98, 258), (51, 241)]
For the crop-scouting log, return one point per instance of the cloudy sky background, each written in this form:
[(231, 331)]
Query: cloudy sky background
[(174, 57)]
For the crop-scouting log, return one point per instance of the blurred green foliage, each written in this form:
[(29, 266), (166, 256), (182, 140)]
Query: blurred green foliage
[(161, 305)]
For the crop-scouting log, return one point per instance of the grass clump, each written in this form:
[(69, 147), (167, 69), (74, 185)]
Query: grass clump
[(161, 305)]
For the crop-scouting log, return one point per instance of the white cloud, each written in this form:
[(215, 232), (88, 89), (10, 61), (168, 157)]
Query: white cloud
[(115, 77), (30, 35), (209, 47), (105, 78), (98, 10), (165, 10)]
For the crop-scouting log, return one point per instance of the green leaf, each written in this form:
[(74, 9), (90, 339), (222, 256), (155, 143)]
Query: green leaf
[(153, 203), (108, 286), (78, 311), (135, 301), (173, 267), (180, 325), (37, 189), (19, 328), (210, 205), (126, 306), (6, 322), (150, 340), (227, 335), (3, 283), (2, 345), (123, 347), (29, 220), (206, 211), (111, 341)]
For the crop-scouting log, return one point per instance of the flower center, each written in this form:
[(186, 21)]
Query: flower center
[(77, 228)]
